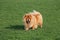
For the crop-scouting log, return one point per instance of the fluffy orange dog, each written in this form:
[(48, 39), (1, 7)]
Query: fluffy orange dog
[(32, 20)]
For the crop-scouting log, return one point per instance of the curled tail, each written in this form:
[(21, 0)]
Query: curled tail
[(34, 11)]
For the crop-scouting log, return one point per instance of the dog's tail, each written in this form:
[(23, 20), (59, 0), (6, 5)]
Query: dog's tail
[(34, 11)]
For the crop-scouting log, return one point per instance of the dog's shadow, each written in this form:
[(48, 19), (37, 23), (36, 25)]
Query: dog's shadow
[(17, 27)]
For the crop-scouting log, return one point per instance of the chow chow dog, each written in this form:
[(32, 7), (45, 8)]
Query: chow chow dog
[(32, 20)]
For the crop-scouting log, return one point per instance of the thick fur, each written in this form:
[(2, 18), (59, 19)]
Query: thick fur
[(32, 20)]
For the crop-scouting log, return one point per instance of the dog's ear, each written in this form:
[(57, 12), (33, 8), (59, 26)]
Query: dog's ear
[(30, 16), (24, 16)]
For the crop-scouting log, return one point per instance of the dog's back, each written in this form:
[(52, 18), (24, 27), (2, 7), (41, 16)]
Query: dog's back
[(38, 17)]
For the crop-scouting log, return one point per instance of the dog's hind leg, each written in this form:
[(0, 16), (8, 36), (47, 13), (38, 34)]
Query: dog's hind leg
[(36, 26), (33, 27), (40, 25)]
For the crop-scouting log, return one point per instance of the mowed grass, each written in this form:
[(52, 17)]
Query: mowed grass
[(11, 19)]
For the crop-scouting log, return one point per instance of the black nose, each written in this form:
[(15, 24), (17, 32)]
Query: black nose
[(27, 22)]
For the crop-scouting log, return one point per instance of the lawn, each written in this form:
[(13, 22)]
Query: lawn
[(11, 19)]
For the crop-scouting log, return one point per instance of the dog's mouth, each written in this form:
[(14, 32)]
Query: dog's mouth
[(28, 21)]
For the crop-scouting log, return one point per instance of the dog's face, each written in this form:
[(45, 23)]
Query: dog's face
[(27, 18)]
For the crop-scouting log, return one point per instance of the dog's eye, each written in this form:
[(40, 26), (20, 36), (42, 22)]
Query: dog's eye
[(25, 16)]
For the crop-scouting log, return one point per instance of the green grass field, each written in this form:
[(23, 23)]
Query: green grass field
[(11, 19)]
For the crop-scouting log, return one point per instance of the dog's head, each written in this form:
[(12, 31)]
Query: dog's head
[(27, 18)]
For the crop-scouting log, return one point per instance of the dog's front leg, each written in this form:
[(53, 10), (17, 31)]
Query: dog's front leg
[(26, 28)]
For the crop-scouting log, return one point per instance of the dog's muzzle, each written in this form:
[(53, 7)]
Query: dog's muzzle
[(28, 22)]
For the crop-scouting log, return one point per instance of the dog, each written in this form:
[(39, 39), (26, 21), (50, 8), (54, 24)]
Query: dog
[(32, 20)]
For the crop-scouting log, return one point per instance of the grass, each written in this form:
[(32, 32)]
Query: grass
[(11, 24)]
